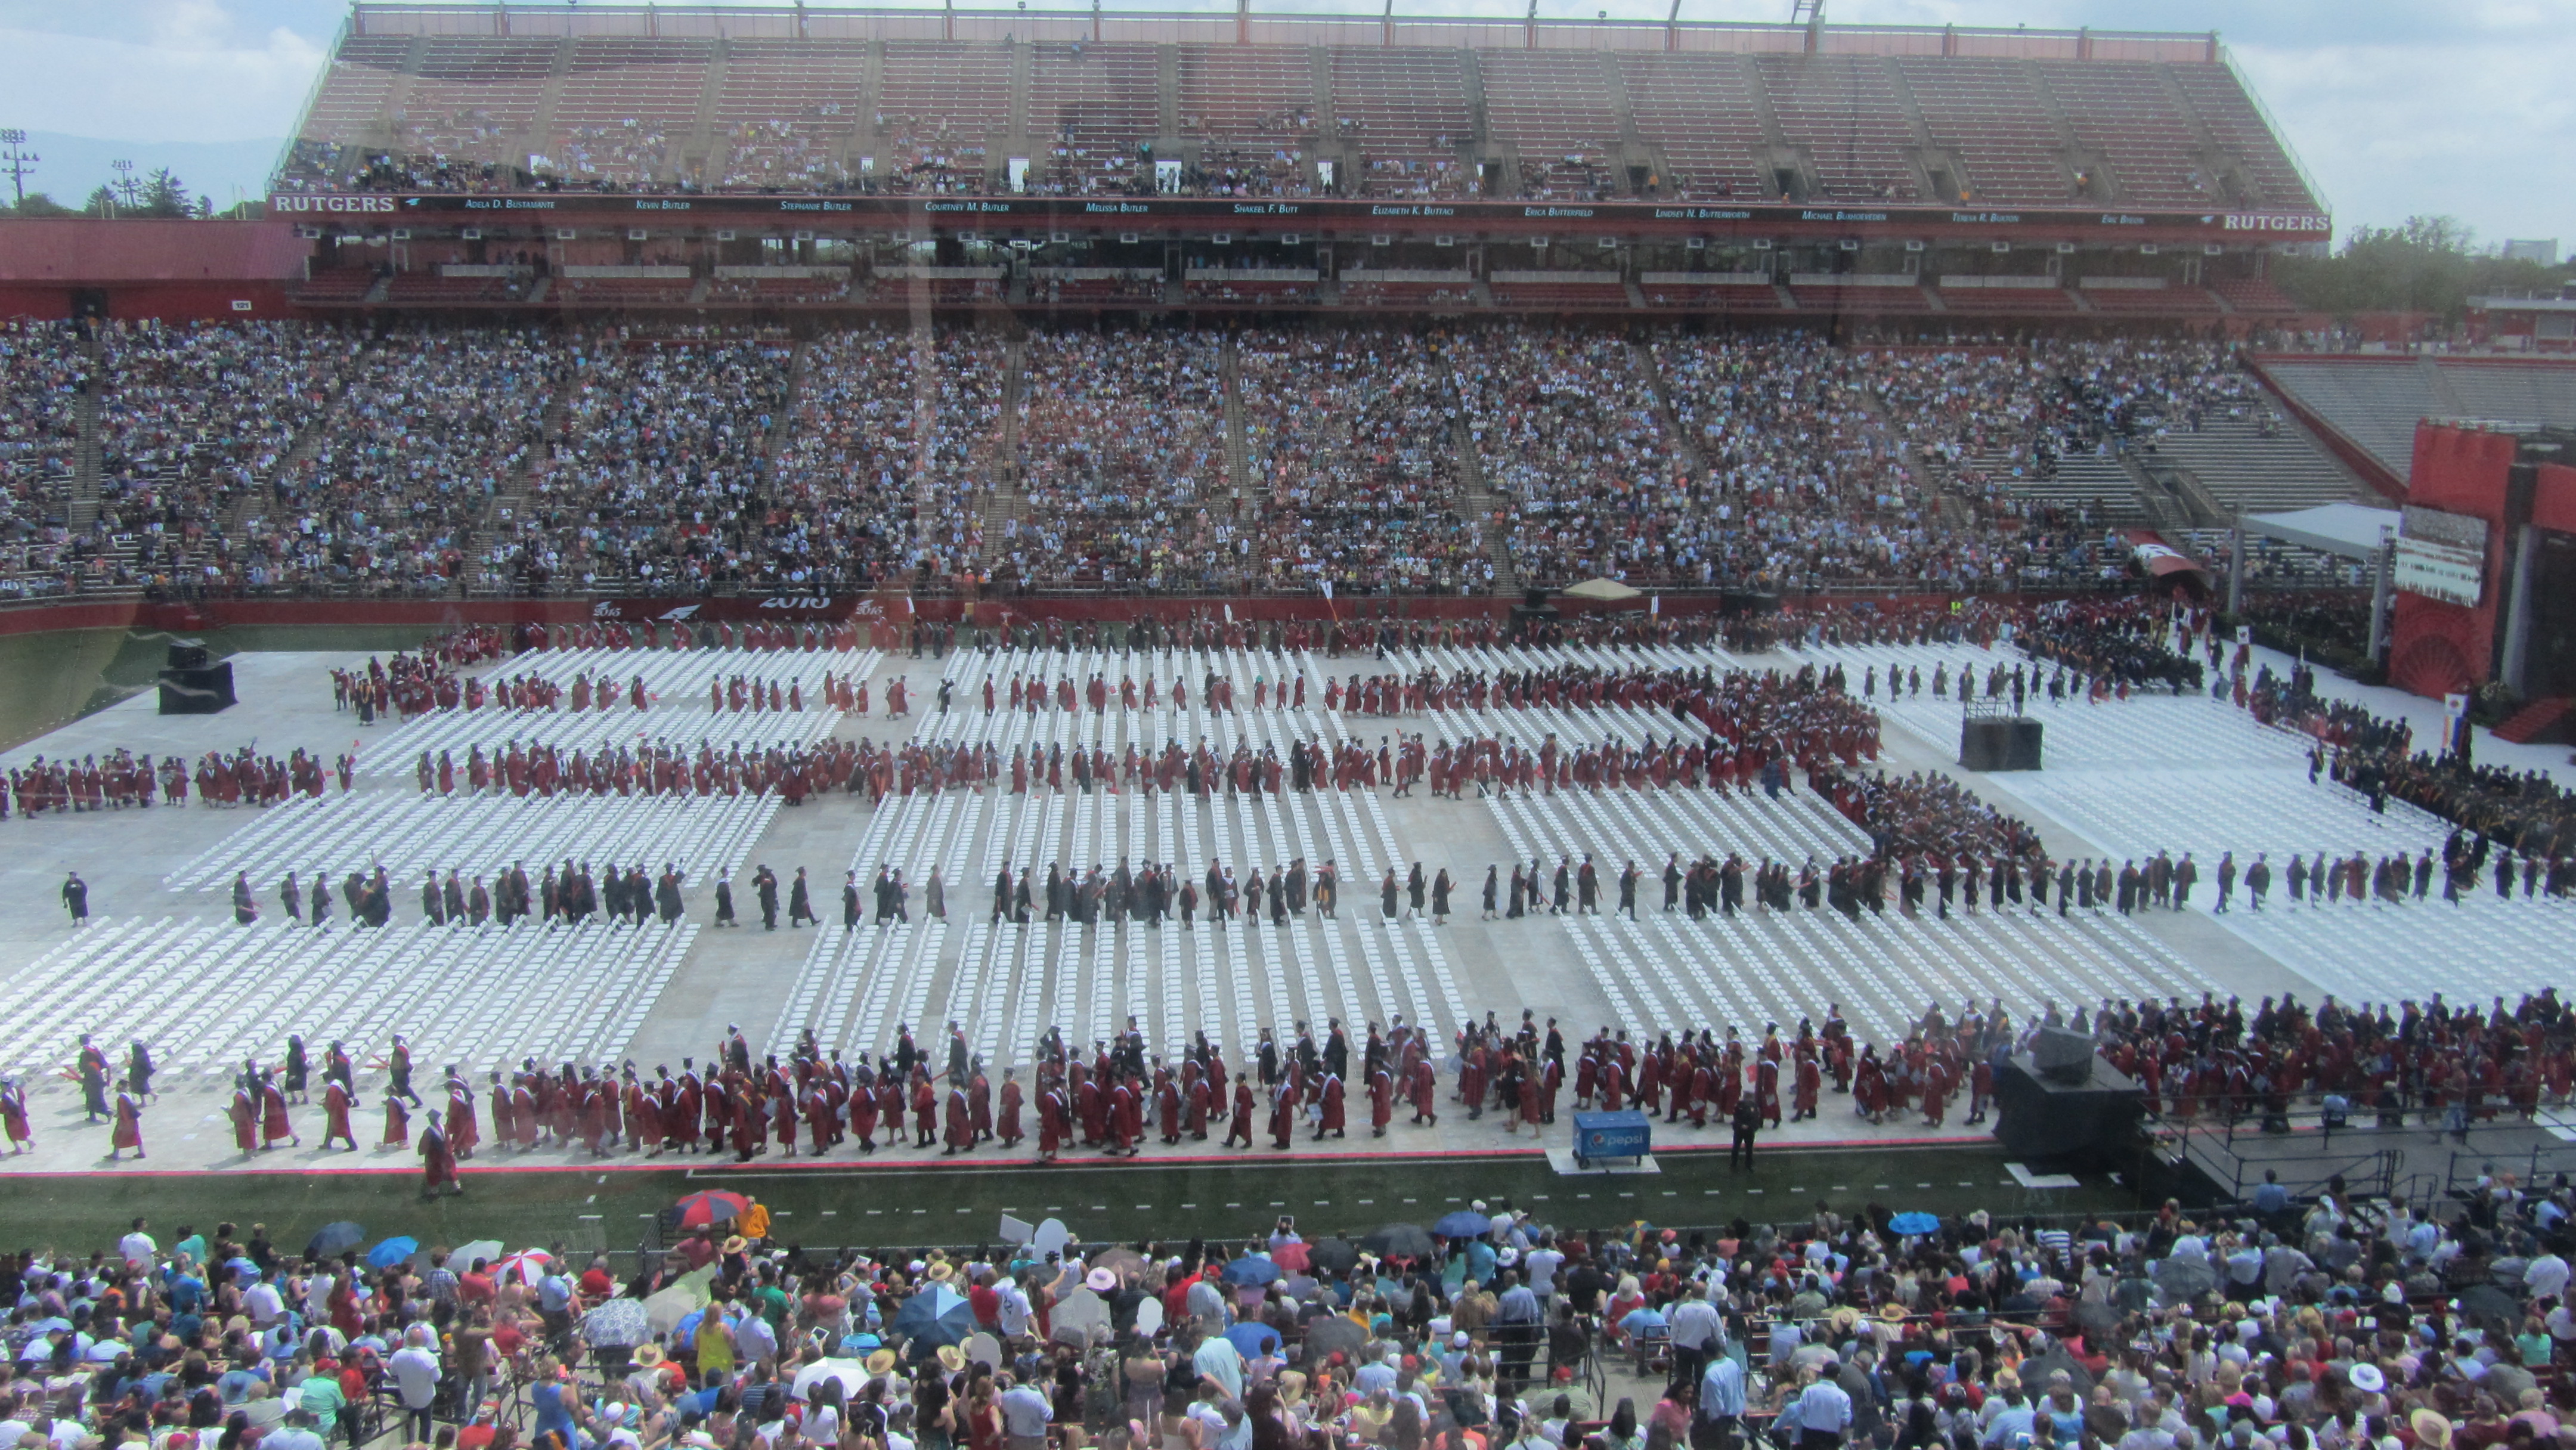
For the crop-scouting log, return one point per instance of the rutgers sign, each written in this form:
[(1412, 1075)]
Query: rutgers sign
[(2304, 222), (292, 203)]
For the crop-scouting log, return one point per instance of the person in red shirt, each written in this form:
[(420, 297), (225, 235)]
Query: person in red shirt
[(985, 1301)]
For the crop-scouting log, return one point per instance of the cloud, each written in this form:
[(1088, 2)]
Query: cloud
[(176, 86)]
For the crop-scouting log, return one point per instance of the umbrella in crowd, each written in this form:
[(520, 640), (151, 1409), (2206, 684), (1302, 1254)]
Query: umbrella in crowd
[(1122, 1262), (679, 1299), (937, 1315), (619, 1322), (463, 1256), (333, 1239), (1253, 1338), (1330, 1333), (1251, 1269), (1463, 1224), (710, 1207), (527, 1266), (1914, 1223), (1292, 1255), (1399, 1241), (1332, 1256), (851, 1373), (391, 1252)]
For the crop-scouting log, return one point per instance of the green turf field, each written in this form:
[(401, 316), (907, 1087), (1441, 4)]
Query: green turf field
[(846, 1204)]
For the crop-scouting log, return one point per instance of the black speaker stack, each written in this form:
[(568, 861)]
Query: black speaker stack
[(1999, 742), (2048, 1108), (191, 684), (1532, 610)]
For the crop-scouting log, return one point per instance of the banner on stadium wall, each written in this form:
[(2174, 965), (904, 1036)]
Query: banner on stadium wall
[(364, 208), (769, 608)]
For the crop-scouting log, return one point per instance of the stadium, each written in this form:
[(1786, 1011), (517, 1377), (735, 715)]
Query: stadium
[(1401, 628)]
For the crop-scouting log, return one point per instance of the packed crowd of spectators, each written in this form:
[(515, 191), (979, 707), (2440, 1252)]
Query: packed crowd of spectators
[(193, 419), (880, 473), (1352, 457), (1122, 453), (1800, 481), (2320, 1322), (1569, 436), (432, 426), (43, 368), (785, 154), (1765, 460), (658, 480)]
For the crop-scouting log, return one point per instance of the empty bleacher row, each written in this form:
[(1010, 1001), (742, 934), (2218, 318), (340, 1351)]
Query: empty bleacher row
[(657, 112), (2374, 402), (478, 997)]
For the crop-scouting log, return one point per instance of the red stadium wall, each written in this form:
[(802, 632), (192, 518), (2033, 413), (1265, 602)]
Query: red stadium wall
[(149, 268), (2436, 648), (198, 615)]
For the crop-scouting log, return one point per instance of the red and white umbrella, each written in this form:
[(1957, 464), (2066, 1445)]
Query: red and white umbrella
[(526, 1266)]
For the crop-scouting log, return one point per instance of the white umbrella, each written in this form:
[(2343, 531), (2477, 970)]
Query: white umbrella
[(463, 1256), (853, 1375)]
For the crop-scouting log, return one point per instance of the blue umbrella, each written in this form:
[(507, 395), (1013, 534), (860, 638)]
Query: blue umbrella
[(1251, 1269), (1253, 1339), (391, 1252), (1914, 1223), (334, 1239), (935, 1316), (1464, 1224)]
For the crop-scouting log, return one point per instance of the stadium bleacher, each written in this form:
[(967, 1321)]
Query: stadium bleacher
[(1989, 114), (1844, 114), (1092, 106), (762, 108), (2127, 113), (1700, 112), (1556, 107), (785, 108)]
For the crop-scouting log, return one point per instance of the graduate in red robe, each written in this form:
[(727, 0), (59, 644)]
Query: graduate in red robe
[(273, 1124), (1240, 1124), (1283, 1115), (1006, 1125), (129, 1123), (1331, 1119), (397, 1123), (245, 1116), (336, 1103), (1381, 1102), (1055, 1121), (437, 1163)]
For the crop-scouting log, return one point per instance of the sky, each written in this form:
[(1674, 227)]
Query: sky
[(2397, 107)]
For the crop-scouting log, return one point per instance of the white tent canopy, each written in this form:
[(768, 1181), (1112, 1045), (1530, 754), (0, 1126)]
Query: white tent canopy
[(2351, 530)]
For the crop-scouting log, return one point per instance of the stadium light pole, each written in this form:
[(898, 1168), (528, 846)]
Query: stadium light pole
[(123, 187), (18, 159)]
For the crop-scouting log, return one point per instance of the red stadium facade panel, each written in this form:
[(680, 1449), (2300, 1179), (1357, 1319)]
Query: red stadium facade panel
[(2493, 495)]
